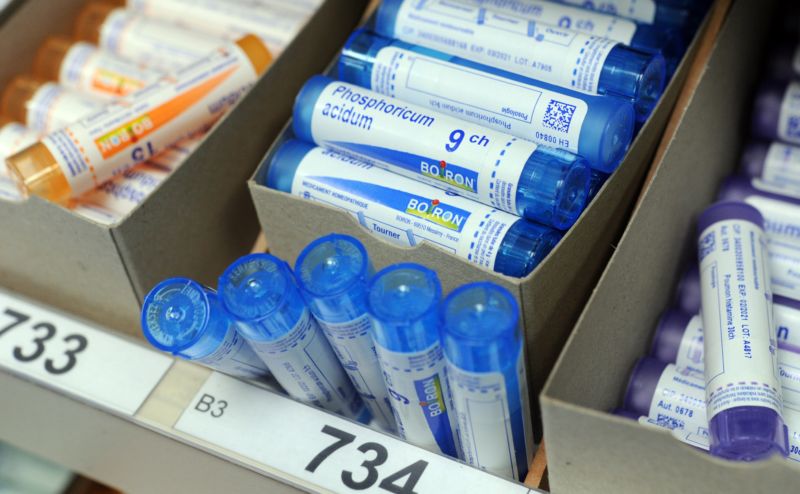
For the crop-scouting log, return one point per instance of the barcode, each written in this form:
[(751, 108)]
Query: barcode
[(558, 116), (794, 127)]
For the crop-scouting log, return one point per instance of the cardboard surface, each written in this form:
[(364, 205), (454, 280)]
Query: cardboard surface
[(194, 224), (551, 297), (588, 449)]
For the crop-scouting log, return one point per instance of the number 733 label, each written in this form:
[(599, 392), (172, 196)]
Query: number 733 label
[(75, 357)]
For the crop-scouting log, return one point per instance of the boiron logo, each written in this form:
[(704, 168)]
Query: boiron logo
[(438, 212)]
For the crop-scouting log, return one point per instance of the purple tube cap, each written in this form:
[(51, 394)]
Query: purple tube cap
[(687, 295), (748, 433), (668, 335), (767, 109), (642, 385), (754, 156), (740, 188), (729, 210)]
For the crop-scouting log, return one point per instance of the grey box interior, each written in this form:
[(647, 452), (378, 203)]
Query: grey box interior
[(194, 224), (588, 449), (551, 297)]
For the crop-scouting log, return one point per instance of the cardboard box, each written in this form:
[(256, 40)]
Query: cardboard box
[(194, 224), (551, 297), (588, 449)]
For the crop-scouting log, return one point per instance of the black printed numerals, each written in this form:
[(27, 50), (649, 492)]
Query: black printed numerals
[(42, 333), (376, 455)]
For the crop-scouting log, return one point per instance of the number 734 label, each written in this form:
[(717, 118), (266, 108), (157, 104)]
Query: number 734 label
[(72, 356), (320, 451)]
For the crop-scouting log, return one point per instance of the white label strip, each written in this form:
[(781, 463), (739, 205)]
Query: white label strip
[(317, 447), (73, 357)]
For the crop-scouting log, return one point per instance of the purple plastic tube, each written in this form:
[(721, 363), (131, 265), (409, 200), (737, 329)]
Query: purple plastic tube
[(774, 165), (687, 293), (673, 399), (776, 112), (782, 221), (678, 339), (743, 393), (754, 155)]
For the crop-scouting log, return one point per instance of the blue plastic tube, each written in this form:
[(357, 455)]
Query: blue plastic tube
[(332, 272), (743, 391), (550, 54), (184, 318), (517, 176), (668, 41), (406, 212), (678, 13), (483, 346), (596, 182), (403, 302), (598, 128), (260, 292)]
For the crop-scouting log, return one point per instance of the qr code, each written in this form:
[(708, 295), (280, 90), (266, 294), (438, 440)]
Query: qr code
[(558, 116), (707, 245), (793, 129)]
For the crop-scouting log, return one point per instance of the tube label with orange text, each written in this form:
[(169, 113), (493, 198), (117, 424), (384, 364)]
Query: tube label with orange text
[(139, 126)]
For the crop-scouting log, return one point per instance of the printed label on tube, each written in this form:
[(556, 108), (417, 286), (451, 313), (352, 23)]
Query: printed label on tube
[(355, 348), (419, 395), (781, 172), (108, 142), (53, 106), (548, 53), (225, 19), (467, 159), (485, 417), (87, 69), (782, 226), (405, 217), (157, 45), (691, 350), (643, 11), (688, 386), (13, 137), (679, 401), (235, 357), (486, 99), (583, 20), (789, 119), (305, 366), (740, 362)]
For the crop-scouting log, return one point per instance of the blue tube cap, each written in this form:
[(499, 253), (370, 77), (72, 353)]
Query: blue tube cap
[(332, 272), (481, 327), (403, 301), (175, 317), (254, 286), (303, 111), (284, 162)]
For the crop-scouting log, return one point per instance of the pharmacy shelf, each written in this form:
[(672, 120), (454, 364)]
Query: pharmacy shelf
[(142, 422)]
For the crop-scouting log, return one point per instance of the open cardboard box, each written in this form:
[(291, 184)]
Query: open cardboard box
[(588, 449), (551, 297), (194, 224)]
